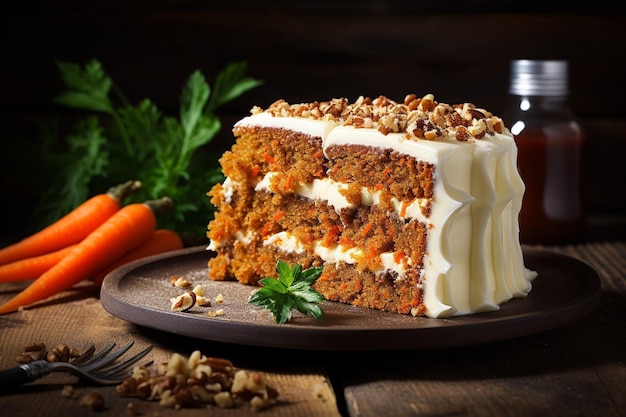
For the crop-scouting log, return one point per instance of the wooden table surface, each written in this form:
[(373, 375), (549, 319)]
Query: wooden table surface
[(578, 369)]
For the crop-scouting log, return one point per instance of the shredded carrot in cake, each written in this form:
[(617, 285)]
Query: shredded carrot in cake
[(405, 205), (289, 182), (330, 236), (346, 241), (266, 229), (367, 229), (324, 277), (279, 215), (268, 158)]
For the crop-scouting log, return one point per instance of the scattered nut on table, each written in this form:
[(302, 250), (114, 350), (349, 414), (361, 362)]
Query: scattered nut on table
[(38, 351), (94, 401), (185, 382), (132, 409)]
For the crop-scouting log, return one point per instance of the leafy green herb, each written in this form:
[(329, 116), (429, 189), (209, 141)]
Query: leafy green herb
[(291, 290), (114, 141)]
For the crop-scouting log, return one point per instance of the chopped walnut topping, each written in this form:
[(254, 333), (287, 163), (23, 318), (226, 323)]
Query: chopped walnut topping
[(422, 118)]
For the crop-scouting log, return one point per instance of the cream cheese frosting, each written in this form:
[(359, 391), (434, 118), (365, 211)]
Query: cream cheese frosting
[(473, 260)]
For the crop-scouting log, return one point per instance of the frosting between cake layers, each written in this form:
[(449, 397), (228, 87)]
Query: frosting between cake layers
[(477, 198)]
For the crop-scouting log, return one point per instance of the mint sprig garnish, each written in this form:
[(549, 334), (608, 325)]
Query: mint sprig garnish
[(291, 290)]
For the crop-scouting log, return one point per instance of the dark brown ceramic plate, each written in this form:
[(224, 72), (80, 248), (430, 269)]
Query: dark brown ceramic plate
[(565, 291)]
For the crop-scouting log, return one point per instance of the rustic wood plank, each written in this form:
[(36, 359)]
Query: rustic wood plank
[(536, 375)]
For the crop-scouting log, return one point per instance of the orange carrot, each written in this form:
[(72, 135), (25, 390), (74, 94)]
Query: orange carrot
[(71, 228), (162, 240), (128, 228), (31, 268)]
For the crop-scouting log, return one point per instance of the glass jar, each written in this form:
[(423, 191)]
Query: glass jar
[(550, 145)]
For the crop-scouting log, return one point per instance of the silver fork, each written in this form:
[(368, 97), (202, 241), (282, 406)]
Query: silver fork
[(88, 366)]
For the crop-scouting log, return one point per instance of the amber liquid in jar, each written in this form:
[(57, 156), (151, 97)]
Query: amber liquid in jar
[(550, 160)]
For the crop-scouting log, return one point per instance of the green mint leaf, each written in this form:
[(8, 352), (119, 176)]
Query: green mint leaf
[(282, 311), (290, 290), (262, 297), (276, 285), (310, 275), (309, 295), (286, 275), (311, 309)]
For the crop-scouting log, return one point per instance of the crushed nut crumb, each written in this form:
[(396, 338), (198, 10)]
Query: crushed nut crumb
[(216, 313), (179, 281)]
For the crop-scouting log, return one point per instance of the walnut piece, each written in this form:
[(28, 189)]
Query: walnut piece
[(184, 301), (94, 401), (38, 351), (179, 281)]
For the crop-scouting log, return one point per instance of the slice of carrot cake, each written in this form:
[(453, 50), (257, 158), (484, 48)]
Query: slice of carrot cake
[(410, 207)]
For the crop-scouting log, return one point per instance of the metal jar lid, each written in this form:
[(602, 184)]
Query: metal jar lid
[(538, 78)]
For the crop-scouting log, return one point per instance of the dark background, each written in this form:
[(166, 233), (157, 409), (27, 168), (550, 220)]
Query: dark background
[(315, 50)]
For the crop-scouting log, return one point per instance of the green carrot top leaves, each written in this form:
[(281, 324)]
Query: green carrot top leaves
[(291, 290), (114, 139)]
